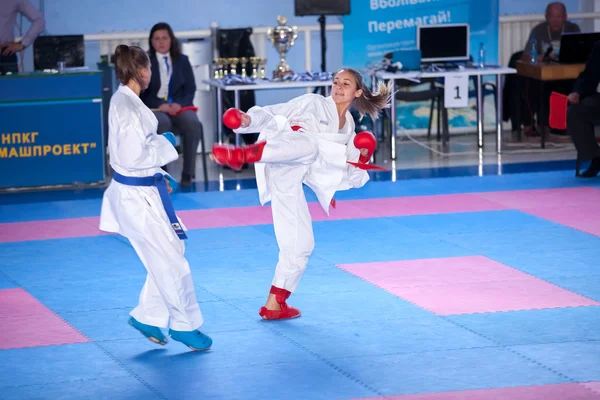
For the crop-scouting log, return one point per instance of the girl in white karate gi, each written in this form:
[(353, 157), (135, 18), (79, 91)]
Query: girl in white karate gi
[(308, 140), (137, 205)]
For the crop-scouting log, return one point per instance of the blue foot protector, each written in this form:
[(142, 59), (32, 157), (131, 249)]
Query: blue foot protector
[(151, 332), (195, 340)]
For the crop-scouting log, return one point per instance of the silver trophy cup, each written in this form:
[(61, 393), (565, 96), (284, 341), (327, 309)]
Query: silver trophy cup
[(283, 38)]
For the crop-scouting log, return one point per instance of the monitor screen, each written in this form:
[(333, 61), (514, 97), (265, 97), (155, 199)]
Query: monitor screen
[(49, 50), (321, 7), (443, 42)]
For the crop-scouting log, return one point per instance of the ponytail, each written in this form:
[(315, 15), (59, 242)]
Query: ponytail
[(128, 62), (370, 103)]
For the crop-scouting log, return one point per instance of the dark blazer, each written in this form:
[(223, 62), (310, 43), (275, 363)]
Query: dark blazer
[(588, 80), (182, 88)]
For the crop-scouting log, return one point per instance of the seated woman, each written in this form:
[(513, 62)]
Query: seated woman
[(172, 87)]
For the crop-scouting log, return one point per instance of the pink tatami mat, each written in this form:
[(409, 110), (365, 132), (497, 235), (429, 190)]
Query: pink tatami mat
[(571, 207), (349, 209), (49, 229), (576, 208), (533, 199), (465, 285), (593, 386), (28, 323), (257, 215), (418, 205), (564, 391), (585, 218)]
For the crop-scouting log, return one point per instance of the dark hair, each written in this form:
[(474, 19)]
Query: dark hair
[(369, 102), (554, 4), (128, 61), (175, 50)]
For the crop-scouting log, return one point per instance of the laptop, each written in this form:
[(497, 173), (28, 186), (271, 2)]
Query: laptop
[(410, 59), (575, 48)]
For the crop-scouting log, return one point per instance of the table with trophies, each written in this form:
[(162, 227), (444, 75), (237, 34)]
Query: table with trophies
[(226, 77)]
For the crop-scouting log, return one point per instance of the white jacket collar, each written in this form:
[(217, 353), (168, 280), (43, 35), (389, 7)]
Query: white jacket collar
[(127, 91)]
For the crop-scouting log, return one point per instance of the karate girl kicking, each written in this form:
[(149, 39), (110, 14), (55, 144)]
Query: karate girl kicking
[(137, 205), (308, 140)]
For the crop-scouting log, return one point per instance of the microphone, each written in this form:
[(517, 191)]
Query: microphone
[(548, 51)]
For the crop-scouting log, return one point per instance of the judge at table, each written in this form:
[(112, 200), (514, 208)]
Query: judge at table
[(172, 87)]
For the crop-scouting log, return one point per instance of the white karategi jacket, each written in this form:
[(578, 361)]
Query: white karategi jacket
[(135, 149), (317, 116)]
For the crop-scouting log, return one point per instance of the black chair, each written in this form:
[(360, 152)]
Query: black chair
[(488, 88), (513, 103), (435, 94)]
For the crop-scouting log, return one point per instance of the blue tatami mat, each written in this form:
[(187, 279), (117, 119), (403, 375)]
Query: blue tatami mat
[(550, 263), (6, 282), (535, 326), (383, 337), (588, 286), (122, 388), (582, 364), (57, 364), (332, 307), (354, 340), (472, 222), (449, 370)]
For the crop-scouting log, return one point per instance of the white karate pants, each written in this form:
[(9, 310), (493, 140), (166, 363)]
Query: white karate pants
[(169, 289), (288, 156)]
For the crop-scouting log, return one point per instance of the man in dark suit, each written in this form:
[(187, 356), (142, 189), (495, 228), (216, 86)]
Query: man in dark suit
[(172, 87), (584, 113)]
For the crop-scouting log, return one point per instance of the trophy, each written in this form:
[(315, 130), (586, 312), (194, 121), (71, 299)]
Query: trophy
[(282, 37), (244, 62), (254, 61), (261, 64), (218, 68), (233, 63), (221, 66)]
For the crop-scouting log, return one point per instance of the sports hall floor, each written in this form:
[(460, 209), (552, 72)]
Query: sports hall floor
[(453, 280)]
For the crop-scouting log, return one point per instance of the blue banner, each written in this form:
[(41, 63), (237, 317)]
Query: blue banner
[(50, 143), (378, 27)]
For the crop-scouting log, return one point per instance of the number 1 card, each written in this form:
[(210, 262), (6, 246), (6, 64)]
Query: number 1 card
[(456, 93)]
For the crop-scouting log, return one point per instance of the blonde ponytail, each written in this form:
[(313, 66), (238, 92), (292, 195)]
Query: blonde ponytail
[(370, 103)]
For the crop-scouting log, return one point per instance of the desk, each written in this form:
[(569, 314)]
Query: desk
[(51, 132), (547, 72), (259, 85), (477, 73)]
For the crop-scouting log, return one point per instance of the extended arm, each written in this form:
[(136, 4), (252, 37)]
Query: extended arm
[(260, 117)]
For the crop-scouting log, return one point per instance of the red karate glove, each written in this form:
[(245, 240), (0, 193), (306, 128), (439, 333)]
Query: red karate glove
[(365, 140), (232, 118)]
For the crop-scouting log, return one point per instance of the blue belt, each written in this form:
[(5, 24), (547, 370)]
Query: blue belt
[(157, 180)]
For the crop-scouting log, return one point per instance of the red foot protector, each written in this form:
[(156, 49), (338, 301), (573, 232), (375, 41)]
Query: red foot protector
[(232, 118), (558, 110), (287, 312), (296, 128), (236, 157)]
